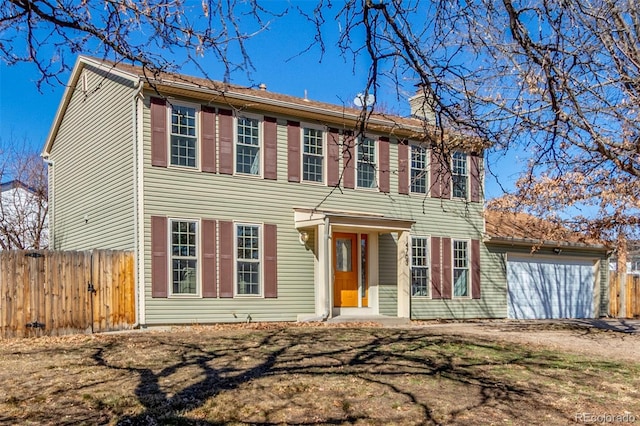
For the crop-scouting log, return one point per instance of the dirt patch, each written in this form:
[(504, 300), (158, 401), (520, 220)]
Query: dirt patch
[(313, 374), (606, 340)]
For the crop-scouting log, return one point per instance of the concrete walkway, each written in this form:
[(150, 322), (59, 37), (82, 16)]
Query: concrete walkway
[(383, 320)]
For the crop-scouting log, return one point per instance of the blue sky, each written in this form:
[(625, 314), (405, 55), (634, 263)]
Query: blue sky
[(27, 114)]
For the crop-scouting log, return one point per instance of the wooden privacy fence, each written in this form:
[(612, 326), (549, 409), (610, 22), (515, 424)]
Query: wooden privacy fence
[(64, 292), (631, 299)]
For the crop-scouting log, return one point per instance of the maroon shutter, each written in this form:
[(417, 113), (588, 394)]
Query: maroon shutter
[(475, 176), (270, 261), (383, 173), (436, 269), (209, 278), (225, 121), (436, 175), (208, 131), (403, 167), (158, 132), (293, 151), (349, 161), (446, 268), (159, 242), (333, 158), (475, 269), (445, 173), (226, 259), (270, 148)]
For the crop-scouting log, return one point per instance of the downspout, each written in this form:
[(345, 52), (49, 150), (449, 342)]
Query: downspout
[(50, 198), (138, 221)]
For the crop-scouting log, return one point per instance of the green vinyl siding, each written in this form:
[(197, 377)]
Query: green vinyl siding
[(492, 304), (181, 193), (388, 295), (388, 274), (93, 171)]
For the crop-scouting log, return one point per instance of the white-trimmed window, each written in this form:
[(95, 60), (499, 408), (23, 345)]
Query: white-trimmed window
[(184, 257), (460, 175), (312, 155), (183, 136), (419, 171), (420, 266), (248, 259), (366, 169), (460, 268), (248, 144)]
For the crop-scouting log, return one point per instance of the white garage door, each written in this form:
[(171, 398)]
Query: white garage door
[(549, 288)]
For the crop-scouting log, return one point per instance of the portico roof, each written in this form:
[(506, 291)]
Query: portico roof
[(308, 218)]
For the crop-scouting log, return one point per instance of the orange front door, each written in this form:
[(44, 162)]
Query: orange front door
[(345, 267)]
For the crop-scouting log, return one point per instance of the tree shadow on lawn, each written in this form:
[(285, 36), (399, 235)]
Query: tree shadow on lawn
[(371, 376)]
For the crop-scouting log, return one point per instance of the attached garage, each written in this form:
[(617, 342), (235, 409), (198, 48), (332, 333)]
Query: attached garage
[(544, 287), (548, 272)]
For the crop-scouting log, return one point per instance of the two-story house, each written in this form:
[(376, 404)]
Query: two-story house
[(241, 204)]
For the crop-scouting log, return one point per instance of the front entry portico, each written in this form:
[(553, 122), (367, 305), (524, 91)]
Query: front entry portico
[(346, 270)]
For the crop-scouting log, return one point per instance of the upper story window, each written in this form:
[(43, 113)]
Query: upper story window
[(312, 155), (460, 175), (460, 268), (248, 146), (366, 169), (184, 256), (184, 142), (419, 266), (419, 172), (248, 260)]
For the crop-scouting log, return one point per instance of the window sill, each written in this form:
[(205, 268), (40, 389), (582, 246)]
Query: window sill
[(247, 175), (312, 182), (186, 168)]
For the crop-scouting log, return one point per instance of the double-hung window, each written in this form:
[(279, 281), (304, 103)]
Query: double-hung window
[(184, 256), (184, 140), (248, 146), (419, 172), (460, 268), (460, 175), (366, 163), (419, 266), (312, 155), (248, 260)]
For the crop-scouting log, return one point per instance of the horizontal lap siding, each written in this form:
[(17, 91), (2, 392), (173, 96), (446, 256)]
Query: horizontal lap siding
[(493, 303), (93, 171), (181, 193)]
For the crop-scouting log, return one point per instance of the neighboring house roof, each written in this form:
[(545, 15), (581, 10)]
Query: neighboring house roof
[(244, 97), (15, 184), (522, 228)]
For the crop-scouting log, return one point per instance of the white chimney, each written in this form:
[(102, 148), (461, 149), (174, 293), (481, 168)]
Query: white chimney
[(421, 106)]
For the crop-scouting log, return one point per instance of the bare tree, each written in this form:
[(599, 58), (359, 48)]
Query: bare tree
[(161, 36), (557, 80), (23, 199)]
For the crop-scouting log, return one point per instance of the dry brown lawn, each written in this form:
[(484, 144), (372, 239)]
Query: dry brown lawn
[(292, 374)]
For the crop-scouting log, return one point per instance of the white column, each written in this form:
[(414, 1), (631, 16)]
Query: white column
[(404, 276), (373, 273), (322, 298)]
